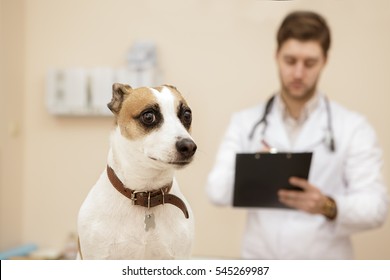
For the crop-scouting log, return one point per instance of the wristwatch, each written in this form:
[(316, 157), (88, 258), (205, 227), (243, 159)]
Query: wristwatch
[(329, 209)]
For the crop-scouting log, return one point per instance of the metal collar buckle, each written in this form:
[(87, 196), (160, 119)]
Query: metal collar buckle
[(133, 197)]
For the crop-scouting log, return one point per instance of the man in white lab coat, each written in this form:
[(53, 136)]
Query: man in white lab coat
[(345, 192)]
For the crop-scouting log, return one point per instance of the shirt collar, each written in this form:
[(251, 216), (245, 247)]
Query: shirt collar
[(308, 109)]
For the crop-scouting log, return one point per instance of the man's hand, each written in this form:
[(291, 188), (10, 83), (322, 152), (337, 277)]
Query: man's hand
[(311, 200)]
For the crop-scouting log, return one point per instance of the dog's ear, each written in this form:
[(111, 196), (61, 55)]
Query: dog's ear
[(119, 92), (171, 86)]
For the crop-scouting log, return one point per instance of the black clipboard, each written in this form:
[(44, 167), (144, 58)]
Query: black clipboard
[(258, 177)]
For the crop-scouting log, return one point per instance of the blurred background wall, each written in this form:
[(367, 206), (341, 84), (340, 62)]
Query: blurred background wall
[(220, 55)]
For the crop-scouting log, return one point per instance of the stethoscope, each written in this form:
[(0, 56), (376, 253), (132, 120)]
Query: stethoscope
[(329, 138)]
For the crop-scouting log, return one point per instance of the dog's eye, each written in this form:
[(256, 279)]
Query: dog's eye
[(148, 118), (187, 117)]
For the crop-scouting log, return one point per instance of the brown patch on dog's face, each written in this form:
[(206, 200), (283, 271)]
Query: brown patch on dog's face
[(138, 111), (139, 114)]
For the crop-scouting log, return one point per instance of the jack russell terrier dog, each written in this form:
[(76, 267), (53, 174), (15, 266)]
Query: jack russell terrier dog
[(136, 210)]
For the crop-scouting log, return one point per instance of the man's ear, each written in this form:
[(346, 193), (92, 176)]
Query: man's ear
[(119, 92)]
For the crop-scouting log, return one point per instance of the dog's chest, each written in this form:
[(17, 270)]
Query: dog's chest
[(116, 229), (128, 237)]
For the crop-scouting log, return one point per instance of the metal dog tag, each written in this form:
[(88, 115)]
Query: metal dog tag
[(149, 221)]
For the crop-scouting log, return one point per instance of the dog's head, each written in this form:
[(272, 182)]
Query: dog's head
[(156, 121)]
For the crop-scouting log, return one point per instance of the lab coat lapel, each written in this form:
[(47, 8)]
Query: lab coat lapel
[(314, 129), (276, 134)]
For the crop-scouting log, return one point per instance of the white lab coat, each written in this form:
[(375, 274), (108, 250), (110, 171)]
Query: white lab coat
[(351, 175)]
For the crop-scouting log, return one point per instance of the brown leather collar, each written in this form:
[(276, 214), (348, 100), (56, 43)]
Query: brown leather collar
[(147, 199)]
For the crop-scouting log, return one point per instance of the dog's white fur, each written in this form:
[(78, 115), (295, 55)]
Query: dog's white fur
[(109, 226)]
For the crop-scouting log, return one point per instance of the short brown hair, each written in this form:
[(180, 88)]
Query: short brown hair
[(305, 26)]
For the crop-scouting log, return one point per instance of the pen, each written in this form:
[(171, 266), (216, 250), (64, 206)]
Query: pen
[(267, 148)]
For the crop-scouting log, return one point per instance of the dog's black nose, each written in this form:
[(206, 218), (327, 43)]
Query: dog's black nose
[(186, 147)]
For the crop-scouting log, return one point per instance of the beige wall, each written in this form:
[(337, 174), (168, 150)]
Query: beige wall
[(11, 117), (219, 53)]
